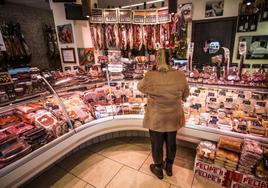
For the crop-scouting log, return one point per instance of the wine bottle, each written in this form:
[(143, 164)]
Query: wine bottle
[(253, 23), (246, 23), (265, 11), (241, 24)]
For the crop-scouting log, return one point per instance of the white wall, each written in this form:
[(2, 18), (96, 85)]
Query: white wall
[(82, 38)]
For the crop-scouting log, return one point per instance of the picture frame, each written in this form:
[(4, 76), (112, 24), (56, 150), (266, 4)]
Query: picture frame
[(68, 55), (257, 46), (214, 8)]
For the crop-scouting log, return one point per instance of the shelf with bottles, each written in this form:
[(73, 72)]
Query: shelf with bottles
[(264, 12), (247, 23)]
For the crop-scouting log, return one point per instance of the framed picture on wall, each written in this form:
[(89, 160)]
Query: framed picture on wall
[(65, 33), (217, 36), (257, 46), (68, 55), (214, 8)]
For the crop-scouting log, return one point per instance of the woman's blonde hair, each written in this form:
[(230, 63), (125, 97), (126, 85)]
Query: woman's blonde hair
[(161, 64)]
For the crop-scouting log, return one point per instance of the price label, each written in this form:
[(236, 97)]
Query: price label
[(5, 78), (125, 16), (97, 16), (163, 15), (151, 17), (110, 16), (115, 68), (138, 17)]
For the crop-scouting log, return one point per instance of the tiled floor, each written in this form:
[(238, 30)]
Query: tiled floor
[(118, 163)]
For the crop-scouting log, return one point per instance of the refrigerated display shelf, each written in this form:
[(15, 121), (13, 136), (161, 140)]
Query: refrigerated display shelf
[(34, 163)]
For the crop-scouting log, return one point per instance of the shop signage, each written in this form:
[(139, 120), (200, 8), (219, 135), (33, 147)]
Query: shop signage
[(115, 68), (5, 78), (2, 44), (240, 180), (125, 16), (151, 17), (210, 172), (163, 15), (110, 16), (138, 17), (97, 16)]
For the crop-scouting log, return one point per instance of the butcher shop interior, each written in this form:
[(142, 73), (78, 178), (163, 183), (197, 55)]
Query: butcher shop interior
[(72, 112)]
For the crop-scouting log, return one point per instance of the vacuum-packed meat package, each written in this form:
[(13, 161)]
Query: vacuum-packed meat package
[(19, 128)]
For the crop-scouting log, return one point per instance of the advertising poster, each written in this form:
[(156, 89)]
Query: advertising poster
[(86, 56)]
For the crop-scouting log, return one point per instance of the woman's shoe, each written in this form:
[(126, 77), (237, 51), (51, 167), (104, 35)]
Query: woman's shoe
[(157, 171), (168, 168)]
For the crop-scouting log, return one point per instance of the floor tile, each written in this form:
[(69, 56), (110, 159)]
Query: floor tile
[(106, 144), (128, 154), (200, 182), (89, 186), (75, 159), (182, 177), (57, 178), (130, 178), (92, 168)]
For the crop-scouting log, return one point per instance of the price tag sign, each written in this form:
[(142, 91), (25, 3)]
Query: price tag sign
[(125, 16), (115, 68), (151, 17), (138, 17), (163, 15), (5, 78), (110, 16), (97, 16)]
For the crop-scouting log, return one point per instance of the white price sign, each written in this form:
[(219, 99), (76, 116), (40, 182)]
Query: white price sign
[(115, 67)]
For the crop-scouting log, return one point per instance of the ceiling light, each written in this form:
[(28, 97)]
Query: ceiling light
[(248, 3)]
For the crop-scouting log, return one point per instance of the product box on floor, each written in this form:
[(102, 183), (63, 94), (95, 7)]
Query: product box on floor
[(226, 178)]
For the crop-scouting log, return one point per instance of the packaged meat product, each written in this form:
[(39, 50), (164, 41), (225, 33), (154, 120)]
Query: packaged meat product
[(238, 114), (213, 104), (260, 107), (229, 103), (25, 109), (212, 122), (240, 126), (7, 119), (19, 128), (6, 137), (230, 144), (227, 155), (256, 127), (261, 171), (11, 150), (206, 150), (246, 106), (45, 119), (35, 105)]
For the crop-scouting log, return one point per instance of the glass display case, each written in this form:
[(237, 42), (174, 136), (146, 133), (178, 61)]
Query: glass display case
[(73, 101)]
